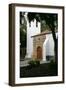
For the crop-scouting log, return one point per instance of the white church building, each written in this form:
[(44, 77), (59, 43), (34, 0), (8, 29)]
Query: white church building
[(40, 45)]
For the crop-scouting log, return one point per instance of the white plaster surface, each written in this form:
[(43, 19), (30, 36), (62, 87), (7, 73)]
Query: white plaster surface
[(31, 31)]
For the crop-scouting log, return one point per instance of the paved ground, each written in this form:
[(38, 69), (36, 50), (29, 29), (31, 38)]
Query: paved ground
[(45, 69), (25, 62)]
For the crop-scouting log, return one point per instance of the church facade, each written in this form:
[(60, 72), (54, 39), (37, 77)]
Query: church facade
[(43, 46)]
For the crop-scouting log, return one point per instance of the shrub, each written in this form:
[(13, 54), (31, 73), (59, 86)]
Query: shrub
[(52, 65), (34, 63)]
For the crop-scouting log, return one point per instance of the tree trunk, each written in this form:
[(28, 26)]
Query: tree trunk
[(56, 50), (55, 45)]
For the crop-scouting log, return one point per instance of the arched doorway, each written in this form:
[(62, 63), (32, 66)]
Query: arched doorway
[(39, 52)]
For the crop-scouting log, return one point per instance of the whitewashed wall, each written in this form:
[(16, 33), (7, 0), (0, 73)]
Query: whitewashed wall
[(31, 31), (49, 45)]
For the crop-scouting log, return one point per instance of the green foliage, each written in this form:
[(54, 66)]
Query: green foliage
[(34, 63), (50, 19), (22, 38), (44, 26), (23, 30), (52, 65)]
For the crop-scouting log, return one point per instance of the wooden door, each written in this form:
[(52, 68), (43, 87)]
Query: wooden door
[(39, 53)]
